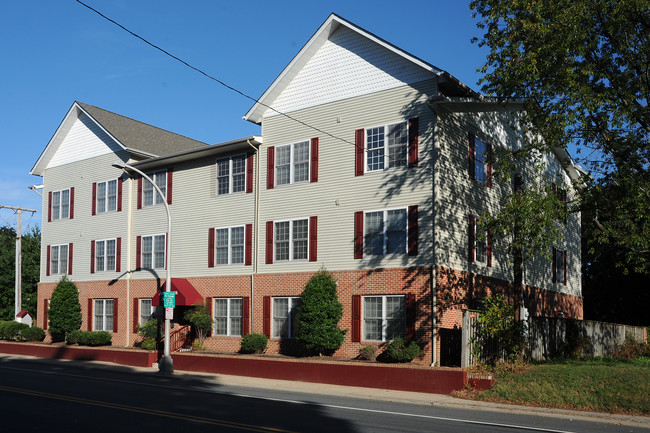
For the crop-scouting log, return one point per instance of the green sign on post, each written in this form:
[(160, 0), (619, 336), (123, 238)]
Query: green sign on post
[(169, 299)]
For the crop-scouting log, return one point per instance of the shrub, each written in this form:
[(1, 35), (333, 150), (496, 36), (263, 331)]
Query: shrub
[(319, 314), (33, 334), (73, 337), (65, 311), (10, 330), (89, 338), (631, 349), (201, 321), (368, 353), (501, 335), (148, 344), (402, 350), (149, 333), (254, 343)]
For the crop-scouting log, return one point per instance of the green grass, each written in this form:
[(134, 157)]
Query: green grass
[(595, 385)]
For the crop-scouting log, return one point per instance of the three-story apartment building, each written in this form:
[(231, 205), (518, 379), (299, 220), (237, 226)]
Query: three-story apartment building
[(370, 162)]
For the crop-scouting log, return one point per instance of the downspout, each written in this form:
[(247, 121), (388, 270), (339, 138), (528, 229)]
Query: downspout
[(255, 231), (434, 297), (129, 238)]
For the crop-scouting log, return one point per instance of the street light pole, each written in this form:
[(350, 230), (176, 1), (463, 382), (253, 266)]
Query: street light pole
[(165, 364)]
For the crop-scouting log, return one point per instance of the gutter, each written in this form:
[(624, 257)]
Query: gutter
[(255, 229)]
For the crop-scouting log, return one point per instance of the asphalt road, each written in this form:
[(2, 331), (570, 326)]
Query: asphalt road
[(58, 396)]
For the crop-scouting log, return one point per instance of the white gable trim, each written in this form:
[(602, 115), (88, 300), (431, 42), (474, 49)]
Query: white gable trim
[(306, 53), (61, 132)]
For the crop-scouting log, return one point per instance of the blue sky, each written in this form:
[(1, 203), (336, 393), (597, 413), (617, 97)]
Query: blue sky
[(56, 52)]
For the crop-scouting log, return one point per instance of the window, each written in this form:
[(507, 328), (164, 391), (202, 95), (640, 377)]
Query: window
[(153, 251), (480, 244), (59, 259), (228, 316), (291, 239), (479, 165), (386, 146), (480, 150), (384, 317), (284, 317), (230, 245), (559, 266), (145, 311), (560, 193), (105, 253), (106, 196), (231, 174), (150, 196), (385, 232), (60, 204), (103, 315), (292, 163)]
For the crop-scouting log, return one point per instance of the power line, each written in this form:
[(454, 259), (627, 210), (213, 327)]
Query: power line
[(200, 71)]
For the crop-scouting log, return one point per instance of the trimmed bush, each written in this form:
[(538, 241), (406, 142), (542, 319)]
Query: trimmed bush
[(73, 337), (368, 353), (254, 343), (33, 334), (65, 311), (402, 350), (89, 338), (10, 330)]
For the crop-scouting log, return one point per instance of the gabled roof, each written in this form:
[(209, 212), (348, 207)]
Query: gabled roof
[(331, 25), (135, 137)]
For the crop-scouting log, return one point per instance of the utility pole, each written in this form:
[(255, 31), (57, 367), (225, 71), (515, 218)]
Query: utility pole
[(19, 263)]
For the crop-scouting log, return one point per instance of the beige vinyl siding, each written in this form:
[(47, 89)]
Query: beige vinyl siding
[(338, 194), (84, 227)]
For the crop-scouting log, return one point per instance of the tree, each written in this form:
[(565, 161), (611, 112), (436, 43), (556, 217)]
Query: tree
[(319, 315), (581, 68), (201, 320), (65, 311), (31, 257)]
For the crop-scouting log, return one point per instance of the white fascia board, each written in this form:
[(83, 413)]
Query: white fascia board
[(330, 25)]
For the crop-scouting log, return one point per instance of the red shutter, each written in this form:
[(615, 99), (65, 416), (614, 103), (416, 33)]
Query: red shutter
[(211, 235), (489, 247), (136, 314), (471, 232), (92, 257), (115, 316), (410, 315), (94, 198), (47, 265), (138, 252), (360, 146), (45, 314), (170, 176), (250, 162), (90, 314), (313, 238), (565, 267), (554, 265), (358, 235), (413, 231), (472, 156), (118, 255), (70, 258), (489, 164), (270, 167), (49, 207), (313, 171), (266, 316), (139, 192), (356, 318), (269, 242), (120, 181), (413, 142), (72, 203), (246, 316), (248, 245)]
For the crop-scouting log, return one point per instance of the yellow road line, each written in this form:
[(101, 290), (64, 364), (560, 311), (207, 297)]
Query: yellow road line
[(194, 418)]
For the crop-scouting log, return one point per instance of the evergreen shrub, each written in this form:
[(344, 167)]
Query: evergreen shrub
[(402, 350), (254, 343), (65, 311), (33, 333)]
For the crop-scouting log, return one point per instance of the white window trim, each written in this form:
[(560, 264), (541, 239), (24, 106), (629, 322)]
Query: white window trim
[(66, 258), (146, 186), (366, 167), (230, 174), (292, 168), (57, 213), (105, 327), (290, 259), (140, 321), (153, 251), (229, 316), (230, 246), (293, 304), (385, 248), (383, 314), (106, 196), (105, 269)]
